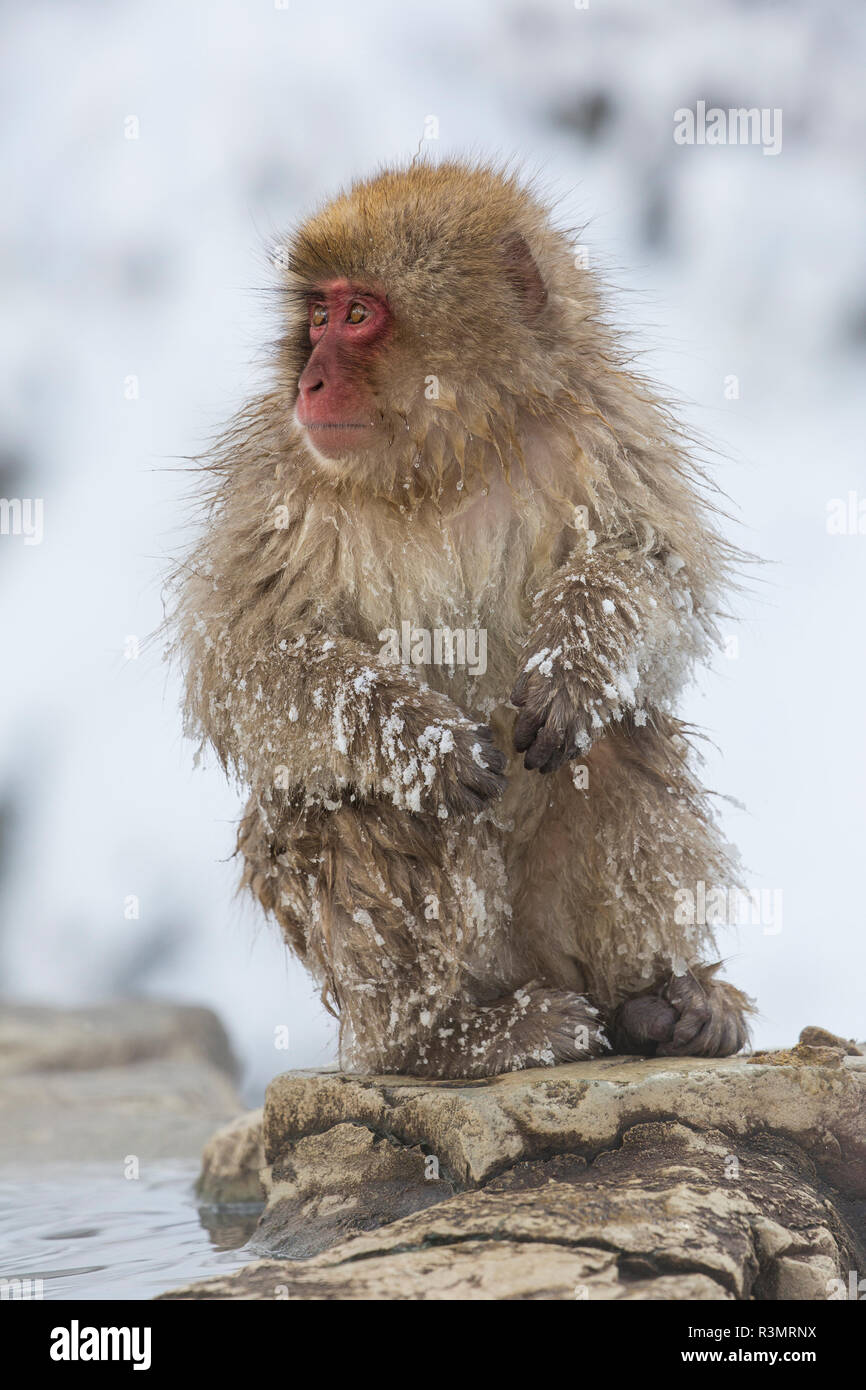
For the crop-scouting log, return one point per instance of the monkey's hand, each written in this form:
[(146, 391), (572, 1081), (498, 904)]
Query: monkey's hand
[(553, 724), (476, 774), (692, 1015), (438, 759)]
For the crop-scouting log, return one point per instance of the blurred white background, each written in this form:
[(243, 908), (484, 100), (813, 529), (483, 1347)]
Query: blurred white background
[(147, 258)]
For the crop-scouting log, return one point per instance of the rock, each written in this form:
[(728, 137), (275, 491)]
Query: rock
[(149, 1109), (346, 1180), (669, 1214), (575, 1182), (38, 1038), (232, 1162), (146, 1079), (820, 1037), (476, 1129), (801, 1055)]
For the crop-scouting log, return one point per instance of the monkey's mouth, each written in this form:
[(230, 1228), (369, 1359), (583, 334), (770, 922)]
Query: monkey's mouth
[(333, 438), (339, 425)]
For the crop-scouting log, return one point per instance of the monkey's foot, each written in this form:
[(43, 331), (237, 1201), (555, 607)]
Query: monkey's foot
[(536, 1026), (691, 1015)]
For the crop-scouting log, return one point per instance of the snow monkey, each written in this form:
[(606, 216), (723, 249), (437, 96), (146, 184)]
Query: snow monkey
[(483, 864)]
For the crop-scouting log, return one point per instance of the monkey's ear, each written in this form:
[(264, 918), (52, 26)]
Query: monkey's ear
[(524, 275)]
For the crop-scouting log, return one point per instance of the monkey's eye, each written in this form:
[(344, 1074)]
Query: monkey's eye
[(318, 315), (357, 313)]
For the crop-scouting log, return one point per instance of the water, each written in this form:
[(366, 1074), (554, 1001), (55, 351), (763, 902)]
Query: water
[(90, 1233)]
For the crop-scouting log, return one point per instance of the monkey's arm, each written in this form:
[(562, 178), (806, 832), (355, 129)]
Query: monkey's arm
[(613, 634), (322, 714)]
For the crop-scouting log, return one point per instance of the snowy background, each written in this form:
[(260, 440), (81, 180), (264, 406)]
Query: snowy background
[(146, 258)]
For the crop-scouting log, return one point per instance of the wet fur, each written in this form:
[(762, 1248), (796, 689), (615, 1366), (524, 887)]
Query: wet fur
[(462, 912)]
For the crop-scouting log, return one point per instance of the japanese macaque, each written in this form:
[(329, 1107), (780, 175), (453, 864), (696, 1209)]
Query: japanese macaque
[(482, 864)]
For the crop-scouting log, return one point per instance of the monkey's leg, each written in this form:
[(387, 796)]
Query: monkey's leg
[(278, 878), (642, 832), (405, 921)]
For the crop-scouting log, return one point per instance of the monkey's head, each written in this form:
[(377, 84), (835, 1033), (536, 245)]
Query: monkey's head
[(432, 311)]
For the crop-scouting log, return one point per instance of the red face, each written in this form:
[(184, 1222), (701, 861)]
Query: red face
[(336, 404)]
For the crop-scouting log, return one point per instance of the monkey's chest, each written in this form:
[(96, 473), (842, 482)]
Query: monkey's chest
[(449, 601), (457, 573)]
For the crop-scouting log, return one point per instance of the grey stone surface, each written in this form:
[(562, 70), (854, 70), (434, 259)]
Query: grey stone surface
[(37, 1037), (476, 1129), (85, 1085), (668, 1214), (621, 1178), (232, 1162), (348, 1179)]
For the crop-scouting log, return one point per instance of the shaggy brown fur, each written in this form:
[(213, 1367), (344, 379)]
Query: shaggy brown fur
[(461, 921)]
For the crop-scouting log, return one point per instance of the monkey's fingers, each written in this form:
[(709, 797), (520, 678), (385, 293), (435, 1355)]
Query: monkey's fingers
[(526, 729), (489, 759), (493, 756), (722, 1035), (693, 1015), (690, 1001), (546, 729), (688, 1035), (548, 737), (548, 751), (479, 773), (643, 1022), (725, 1031), (711, 1022), (520, 693), (695, 1035)]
